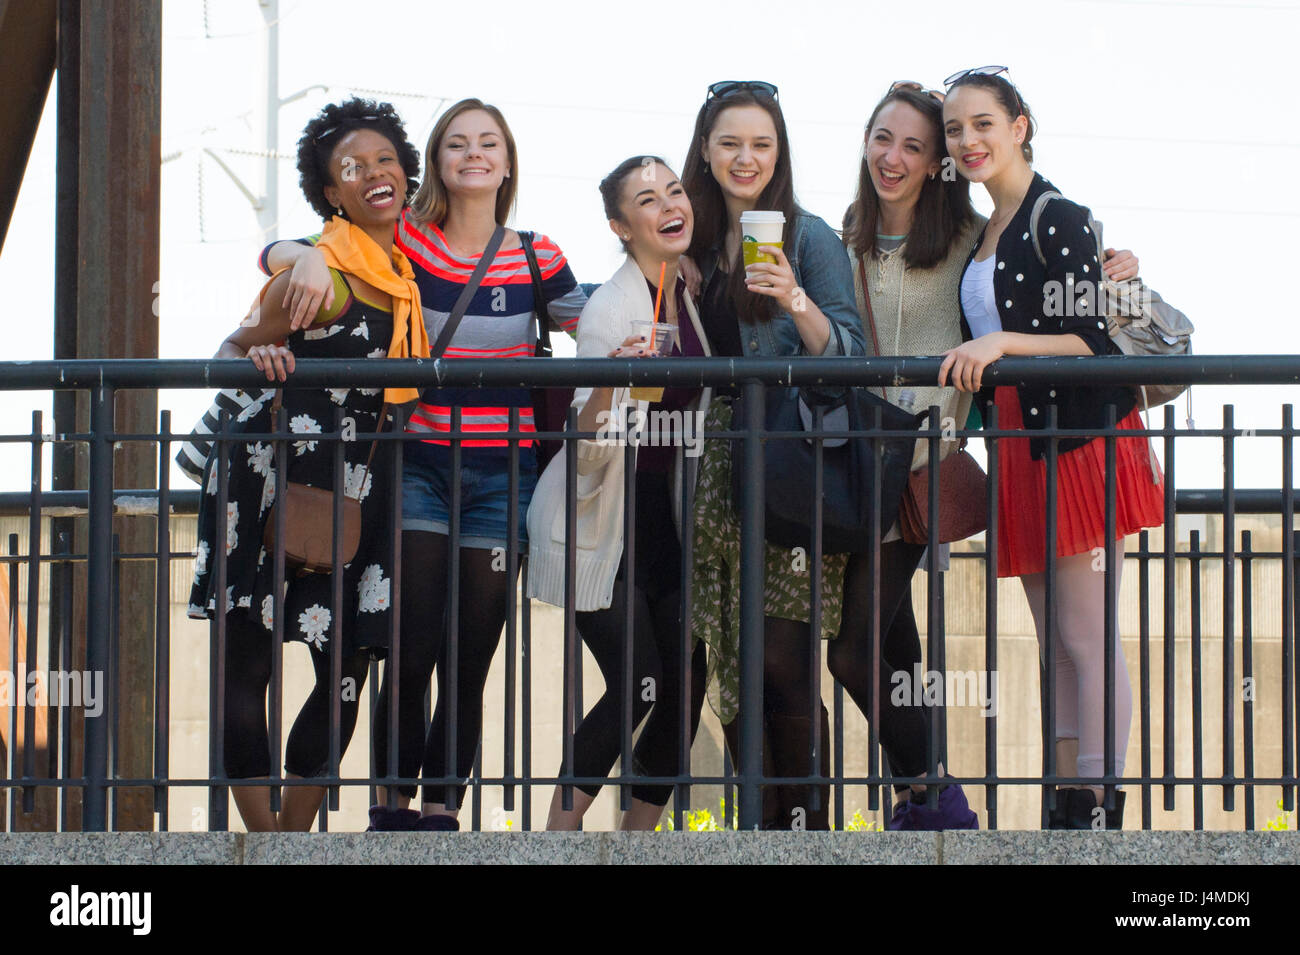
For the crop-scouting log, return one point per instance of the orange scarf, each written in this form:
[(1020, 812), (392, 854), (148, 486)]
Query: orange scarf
[(348, 249)]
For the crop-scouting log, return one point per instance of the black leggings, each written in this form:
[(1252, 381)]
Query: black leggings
[(247, 746), (903, 729), (482, 609), (656, 654), (656, 689)]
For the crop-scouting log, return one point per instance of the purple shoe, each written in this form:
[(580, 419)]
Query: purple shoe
[(438, 822), (953, 812), (383, 819)]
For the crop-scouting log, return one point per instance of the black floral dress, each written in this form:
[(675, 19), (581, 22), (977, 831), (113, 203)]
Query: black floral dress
[(359, 330)]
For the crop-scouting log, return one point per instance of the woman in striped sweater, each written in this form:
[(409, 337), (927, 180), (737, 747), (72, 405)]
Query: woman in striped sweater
[(471, 176)]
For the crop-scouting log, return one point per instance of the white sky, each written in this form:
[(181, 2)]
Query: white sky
[(1175, 121)]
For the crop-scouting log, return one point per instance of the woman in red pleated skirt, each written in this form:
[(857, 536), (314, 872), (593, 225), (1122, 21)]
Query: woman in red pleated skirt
[(1025, 292)]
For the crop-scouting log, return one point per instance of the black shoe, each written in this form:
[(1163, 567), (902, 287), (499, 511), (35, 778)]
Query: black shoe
[(1081, 811)]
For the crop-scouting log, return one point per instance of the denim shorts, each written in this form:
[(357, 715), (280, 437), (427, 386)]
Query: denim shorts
[(484, 498)]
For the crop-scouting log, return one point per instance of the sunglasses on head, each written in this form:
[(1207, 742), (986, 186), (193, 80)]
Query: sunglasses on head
[(727, 87), (321, 137), (914, 86), (986, 71)]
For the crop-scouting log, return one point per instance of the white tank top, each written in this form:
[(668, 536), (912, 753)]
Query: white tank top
[(978, 300)]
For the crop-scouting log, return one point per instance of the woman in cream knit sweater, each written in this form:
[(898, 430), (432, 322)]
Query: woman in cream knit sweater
[(909, 231)]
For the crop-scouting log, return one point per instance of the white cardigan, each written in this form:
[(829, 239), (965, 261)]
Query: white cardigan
[(606, 321)]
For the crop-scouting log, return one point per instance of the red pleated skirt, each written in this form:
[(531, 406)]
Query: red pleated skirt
[(1080, 493)]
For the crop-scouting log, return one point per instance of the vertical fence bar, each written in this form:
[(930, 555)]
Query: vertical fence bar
[(682, 793), (526, 704), (1229, 605), (336, 616), (451, 678), (19, 694), (217, 799), (65, 658), (393, 665), (1247, 678), (570, 596), (837, 744), (1110, 626), (114, 681), (815, 612), (162, 626), (1144, 668), (275, 689), (875, 638), (33, 611), (752, 572), (98, 595), (512, 608), (1049, 622), (934, 629), (1169, 578), (1290, 607), (991, 620), (626, 677), (1198, 790)]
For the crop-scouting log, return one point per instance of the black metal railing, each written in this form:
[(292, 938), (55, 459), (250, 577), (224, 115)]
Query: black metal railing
[(52, 555)]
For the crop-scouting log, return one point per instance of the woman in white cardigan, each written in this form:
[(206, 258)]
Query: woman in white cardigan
[(649, 211)]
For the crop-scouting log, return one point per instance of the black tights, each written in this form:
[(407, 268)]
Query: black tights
[(247, 746), (656, 646), (482, 609), (903, 729)]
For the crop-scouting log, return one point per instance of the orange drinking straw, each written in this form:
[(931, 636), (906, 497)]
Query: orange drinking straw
[(659, 296)]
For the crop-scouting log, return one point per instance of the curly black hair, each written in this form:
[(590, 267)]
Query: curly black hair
[(333, 123)]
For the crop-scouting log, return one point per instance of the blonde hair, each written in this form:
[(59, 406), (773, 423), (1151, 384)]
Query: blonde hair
[(431, 201)]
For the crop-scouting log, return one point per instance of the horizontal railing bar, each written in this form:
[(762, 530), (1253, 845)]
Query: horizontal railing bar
[(66, 503), (680, 372)]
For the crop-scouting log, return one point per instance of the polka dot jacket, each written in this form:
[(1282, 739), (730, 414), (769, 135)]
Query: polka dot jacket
[(1059, 298)]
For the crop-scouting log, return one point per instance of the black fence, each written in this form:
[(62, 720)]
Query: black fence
[(93, 773)]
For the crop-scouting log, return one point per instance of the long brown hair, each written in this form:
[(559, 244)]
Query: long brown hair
[(710, 205), (430, 202), (943, 209)]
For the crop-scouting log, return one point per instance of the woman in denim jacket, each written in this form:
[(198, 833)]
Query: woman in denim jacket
[(802, 303)]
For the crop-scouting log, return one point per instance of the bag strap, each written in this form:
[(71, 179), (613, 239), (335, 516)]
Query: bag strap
[(467, 293), (1036, 215), (277, 403), (542, 349), (866, 297)]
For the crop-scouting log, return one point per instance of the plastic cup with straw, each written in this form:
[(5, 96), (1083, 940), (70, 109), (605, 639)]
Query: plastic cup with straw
[(659, 336)]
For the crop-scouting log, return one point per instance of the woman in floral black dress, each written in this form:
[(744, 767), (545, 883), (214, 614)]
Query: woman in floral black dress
[(354, 159)]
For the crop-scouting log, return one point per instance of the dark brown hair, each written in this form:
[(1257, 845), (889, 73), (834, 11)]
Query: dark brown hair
[(611, 187), (710, 204), (430, 202), (943, 209)]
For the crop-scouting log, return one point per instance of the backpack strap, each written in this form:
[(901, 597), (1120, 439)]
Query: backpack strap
[(542, 345), (1035, 216)]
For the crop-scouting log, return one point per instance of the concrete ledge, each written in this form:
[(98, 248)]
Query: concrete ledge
[(1009, 847), (652, 848)]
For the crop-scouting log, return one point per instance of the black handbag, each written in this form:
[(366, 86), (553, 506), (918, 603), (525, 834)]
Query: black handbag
[(849, 468)]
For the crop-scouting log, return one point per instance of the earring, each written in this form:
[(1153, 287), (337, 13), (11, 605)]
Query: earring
[(339, 210), (932, 177), (626, 238)]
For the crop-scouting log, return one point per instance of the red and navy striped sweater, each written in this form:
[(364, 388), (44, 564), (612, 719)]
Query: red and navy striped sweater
[(497, 324)]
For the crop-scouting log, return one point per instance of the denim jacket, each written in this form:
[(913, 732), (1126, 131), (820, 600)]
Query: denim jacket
[(822, 269)]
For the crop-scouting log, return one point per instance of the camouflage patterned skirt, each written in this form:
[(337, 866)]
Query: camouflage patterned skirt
[(715, 583)]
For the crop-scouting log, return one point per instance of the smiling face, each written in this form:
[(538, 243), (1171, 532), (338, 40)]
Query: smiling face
[(472, 157), (742, 152), (900, 153), (982, 139), (655, 217), (367, 179)]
